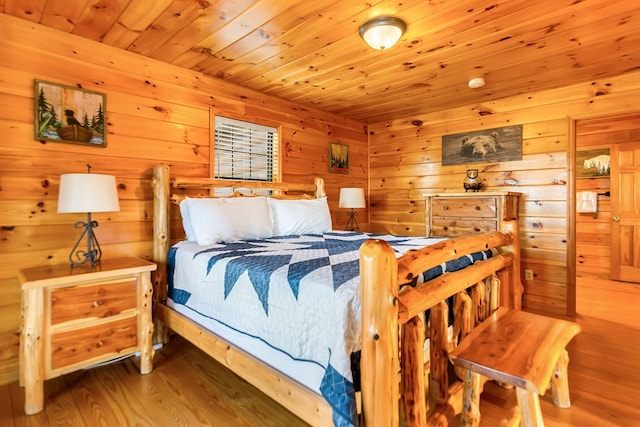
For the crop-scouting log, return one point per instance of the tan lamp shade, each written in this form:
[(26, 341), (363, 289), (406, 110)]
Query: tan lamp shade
[(351, 198), (87, 192)]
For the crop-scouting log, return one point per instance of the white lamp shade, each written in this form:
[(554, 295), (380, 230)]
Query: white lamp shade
[(382, 32), (351, 198), (87, 192)]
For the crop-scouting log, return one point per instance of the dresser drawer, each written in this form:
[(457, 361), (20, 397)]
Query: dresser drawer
[(92, 301), (107, 339), (447, 227), (476, 207)]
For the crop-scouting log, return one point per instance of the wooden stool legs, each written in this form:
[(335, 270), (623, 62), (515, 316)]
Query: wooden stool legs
[(471, 399), (525, 350), (528, 401), (529, 404), (560, 382)]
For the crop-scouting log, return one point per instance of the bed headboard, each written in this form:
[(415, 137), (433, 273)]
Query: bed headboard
[(279, 190)]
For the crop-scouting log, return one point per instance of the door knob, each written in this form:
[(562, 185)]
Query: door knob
[(616, 219)]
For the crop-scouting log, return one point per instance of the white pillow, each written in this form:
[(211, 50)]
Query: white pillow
[(300, 216), (186, 221), (226, 219)]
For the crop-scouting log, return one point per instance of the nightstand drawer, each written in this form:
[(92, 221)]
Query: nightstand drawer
[(92, 301), (445, 227), (476, 207), (79, 345)]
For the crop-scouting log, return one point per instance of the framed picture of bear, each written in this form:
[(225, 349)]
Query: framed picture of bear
[(484, 146), (69, 114)]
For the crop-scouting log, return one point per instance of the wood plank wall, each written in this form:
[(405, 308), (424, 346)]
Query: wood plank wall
[(155, 113), (406, 154), (593, 231)]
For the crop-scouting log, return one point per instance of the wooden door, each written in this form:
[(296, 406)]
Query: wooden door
[(625, 211)]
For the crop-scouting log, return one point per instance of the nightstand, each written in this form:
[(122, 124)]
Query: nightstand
[(77, 317)]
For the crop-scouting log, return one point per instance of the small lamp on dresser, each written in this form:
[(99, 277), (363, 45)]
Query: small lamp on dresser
[(352, 198), (87, 192)]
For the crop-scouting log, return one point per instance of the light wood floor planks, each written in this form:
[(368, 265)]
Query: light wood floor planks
[(187, 388)]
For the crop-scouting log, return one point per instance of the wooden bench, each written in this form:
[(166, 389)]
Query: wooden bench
[(521, 349)]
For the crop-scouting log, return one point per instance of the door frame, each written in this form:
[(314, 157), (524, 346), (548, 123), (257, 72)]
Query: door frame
[(571, 218)]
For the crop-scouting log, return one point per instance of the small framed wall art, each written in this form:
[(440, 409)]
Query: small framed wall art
[(594, 163), (338, 158), (69, 114)]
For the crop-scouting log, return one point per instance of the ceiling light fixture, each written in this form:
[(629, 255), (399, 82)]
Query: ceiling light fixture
[(383, 32), (476, 83)]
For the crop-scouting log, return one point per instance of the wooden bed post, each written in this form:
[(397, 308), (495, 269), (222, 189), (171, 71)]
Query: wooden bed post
[(413, 388), (319, 182), (160, 183), (512, 295), (380, 364)]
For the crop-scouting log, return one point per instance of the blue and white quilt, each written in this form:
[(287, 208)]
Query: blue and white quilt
[(297, 293)]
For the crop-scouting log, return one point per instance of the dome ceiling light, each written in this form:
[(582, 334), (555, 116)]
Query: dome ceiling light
[(383, 32)]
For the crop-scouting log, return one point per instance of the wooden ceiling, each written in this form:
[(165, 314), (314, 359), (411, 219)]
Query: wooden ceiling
[(309, 51)]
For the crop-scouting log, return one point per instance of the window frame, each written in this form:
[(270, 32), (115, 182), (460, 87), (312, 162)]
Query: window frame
[(276, 173)]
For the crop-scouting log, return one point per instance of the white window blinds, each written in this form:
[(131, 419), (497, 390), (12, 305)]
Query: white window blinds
[(245, 150)]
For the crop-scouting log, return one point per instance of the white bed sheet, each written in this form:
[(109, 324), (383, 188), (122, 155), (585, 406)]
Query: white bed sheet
[(307, 374)]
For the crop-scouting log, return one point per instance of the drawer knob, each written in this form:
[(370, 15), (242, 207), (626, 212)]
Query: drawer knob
[(478, 208), (445, 208), (97, 303), (476, 229)]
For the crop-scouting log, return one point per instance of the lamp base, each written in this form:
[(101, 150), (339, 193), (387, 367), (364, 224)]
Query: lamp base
[(93, 253), (352, 224)]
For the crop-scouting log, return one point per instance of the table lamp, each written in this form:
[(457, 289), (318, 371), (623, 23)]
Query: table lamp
[(87, 192), (352, 198)]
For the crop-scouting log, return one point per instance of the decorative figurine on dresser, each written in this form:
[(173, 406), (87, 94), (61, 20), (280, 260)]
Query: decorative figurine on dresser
[(471, 181)]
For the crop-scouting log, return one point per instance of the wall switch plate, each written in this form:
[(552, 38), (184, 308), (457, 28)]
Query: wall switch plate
[(528, 275)]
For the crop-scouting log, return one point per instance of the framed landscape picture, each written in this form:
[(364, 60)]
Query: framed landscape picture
[(338, 158), (594, 163), (69, 114)]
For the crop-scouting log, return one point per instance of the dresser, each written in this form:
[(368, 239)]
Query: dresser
[(77, 317), (463, 214)]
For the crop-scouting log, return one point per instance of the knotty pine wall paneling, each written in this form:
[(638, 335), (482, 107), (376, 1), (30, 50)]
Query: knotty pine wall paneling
[(155, 113), (406, 164)]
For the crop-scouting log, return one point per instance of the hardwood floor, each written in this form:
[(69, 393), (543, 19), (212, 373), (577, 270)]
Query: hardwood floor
[(187, 388)]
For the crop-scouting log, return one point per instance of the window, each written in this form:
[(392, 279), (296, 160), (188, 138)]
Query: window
[(244, 150)]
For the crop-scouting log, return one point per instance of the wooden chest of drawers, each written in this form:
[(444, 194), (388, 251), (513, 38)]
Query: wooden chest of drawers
[(76, 317), (462, 214)]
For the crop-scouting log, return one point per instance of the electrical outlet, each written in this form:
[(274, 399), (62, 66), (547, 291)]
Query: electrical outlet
[(528, 275)]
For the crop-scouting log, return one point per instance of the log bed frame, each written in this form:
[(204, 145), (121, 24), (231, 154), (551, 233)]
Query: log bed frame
[(393, 363)]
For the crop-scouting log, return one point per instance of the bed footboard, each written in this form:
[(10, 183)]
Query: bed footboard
[(395, 327)]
